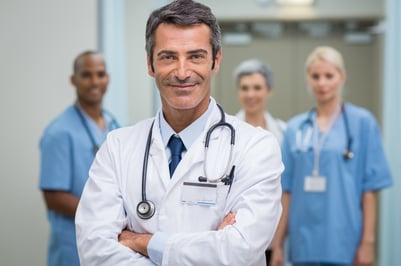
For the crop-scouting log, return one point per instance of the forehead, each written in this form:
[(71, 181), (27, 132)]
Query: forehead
[(255, 77), (91, 61), (323, 66), (182, 38)]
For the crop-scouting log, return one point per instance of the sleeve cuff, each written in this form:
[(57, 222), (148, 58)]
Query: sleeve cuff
[(156, 246)]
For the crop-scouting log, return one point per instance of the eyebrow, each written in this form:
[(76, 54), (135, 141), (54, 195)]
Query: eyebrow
[(197, 51)]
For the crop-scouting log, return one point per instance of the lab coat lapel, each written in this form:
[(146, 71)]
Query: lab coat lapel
[(158, 157), (196, 153)]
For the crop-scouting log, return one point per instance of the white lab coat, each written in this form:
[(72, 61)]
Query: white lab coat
[(108, 204), (274, 125)]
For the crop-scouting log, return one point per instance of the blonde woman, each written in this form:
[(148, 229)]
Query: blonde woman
[(334, 166)]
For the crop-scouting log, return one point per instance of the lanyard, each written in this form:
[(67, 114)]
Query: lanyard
[(317, 145)]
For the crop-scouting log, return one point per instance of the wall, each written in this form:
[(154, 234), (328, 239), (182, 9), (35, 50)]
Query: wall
[(141, 91), (321, 9), (286, 56), (139, 82), (39, 40)]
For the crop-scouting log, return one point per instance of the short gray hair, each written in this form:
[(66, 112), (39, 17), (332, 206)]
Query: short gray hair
[(252, 66), (183, 13)]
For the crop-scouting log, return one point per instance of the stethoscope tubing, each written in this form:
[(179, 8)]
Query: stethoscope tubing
[(84, 123), (348, 154), (146, 208)]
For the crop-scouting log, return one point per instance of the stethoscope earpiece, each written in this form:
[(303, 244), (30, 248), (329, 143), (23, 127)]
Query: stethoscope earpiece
[(145, 209)]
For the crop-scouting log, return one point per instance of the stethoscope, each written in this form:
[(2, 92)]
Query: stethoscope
[(348, 153), (112, 125), (146, 208)]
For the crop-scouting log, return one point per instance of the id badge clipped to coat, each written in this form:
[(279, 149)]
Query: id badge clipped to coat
[(199, 193)]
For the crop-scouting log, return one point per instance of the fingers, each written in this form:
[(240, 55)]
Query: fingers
[(229, 219)]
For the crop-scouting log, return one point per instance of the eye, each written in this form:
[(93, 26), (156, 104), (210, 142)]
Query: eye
[(166, 57), (197, 57), (244, 88), (258, 88), (101, 74), (315, 76), (329, 76), (85, 74)]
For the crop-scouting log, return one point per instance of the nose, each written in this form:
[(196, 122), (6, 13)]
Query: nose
[(182, 70), (95, 80)]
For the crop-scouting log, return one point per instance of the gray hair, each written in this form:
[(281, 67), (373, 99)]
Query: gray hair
[(254, 66), (182, 13)]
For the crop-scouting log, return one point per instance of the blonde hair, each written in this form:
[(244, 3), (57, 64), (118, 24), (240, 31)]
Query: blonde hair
[(328, 54)]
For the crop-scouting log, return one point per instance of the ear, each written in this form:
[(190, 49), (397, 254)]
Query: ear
[(151, 71), (269, 93), (108, 78), (217, 61), (72, 80), (344, 77)]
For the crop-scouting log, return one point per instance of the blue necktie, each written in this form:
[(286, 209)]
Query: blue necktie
[(176, 147)]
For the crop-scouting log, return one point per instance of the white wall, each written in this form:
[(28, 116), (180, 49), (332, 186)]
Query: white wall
[(38, 41), (321, 9), (141, 91)]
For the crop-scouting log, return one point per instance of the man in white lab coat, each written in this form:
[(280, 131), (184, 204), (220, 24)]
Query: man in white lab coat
[(148, 202)]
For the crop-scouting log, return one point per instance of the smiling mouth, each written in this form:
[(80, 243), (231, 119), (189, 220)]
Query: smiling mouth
[(95, 90), (183, 87)]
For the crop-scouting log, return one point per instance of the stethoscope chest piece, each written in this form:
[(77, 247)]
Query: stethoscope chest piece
[(145, 209), (348, 155)]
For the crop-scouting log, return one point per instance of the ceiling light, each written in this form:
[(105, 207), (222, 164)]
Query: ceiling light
[(295, 2)]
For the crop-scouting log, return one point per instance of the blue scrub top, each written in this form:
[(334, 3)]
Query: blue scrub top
[(66, 156), (327, 226)]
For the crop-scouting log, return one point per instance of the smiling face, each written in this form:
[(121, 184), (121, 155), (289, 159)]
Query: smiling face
[(182, 64), (326, 81), (90, 79), (253, 93)]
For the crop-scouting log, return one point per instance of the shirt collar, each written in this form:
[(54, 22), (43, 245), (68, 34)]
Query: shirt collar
[(110, 122), (189, 134)]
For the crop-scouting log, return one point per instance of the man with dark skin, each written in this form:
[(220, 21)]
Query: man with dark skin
[(68, 147)]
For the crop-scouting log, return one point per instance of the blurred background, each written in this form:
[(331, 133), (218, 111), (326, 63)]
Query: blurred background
[(39, 40)]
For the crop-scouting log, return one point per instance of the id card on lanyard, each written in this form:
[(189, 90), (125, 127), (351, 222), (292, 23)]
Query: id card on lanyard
[(316, 182)]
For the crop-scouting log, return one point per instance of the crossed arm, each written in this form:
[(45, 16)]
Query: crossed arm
[(139, 242)]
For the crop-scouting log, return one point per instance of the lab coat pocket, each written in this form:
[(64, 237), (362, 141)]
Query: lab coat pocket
[(207, 205)]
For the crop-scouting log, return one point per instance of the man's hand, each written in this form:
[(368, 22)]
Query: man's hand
[(136, 242), (229, 219)]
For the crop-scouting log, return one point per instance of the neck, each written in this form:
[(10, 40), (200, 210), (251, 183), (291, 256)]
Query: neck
[(327, 109), (95, 112), (179, 119), (256, 119), (325, 112)]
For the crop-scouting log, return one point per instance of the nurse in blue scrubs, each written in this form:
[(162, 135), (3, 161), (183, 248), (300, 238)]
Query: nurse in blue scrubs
[(68, 147), (334, 167)]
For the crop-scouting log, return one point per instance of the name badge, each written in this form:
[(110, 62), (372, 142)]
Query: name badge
[(315, 184), (199, 193)]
